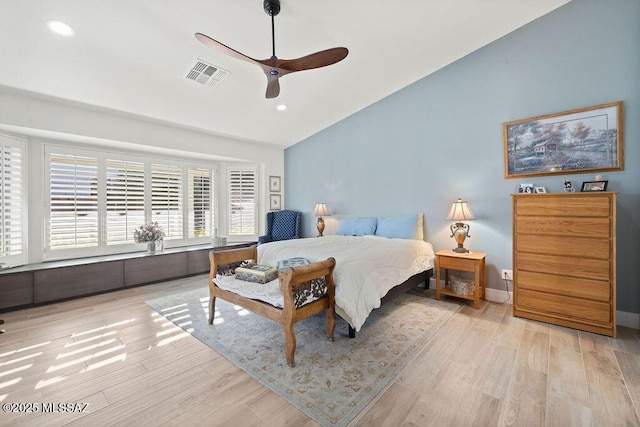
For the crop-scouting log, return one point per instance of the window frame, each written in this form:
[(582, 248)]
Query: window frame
[(21, 145), (242, 167)]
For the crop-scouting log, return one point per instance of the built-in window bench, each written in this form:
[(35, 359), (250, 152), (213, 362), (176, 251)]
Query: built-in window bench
[(47, 282)]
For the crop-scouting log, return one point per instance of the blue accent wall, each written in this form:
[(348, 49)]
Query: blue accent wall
[(440, 138)]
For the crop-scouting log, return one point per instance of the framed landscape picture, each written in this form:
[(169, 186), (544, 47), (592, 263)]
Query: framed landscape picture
[(576, 141)]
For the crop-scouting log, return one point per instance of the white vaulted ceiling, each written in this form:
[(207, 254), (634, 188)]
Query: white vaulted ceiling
[(133, 56)]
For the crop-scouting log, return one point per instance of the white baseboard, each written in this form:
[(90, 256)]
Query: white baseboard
[(623, 318), (630, 320)]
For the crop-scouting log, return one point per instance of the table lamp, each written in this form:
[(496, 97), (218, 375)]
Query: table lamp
[(459, 231), (320, 211)]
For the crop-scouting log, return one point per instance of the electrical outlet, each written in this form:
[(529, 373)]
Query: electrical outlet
[(507, 274)]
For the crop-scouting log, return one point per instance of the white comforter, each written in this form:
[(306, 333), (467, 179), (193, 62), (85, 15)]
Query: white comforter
[(366, 266)]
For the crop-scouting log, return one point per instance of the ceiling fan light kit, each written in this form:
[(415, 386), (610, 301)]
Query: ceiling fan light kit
[(273, 67)]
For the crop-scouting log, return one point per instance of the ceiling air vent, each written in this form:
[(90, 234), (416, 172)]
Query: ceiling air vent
[(207, 74)]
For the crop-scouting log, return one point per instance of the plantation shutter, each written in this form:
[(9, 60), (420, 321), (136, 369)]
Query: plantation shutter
[(124, 200), (73, 215), (11, 202), (166, 199), (200, 210), (242, 202)]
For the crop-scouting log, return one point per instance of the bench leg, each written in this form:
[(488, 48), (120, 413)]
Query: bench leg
[(331, 323), (212, 309), (289, 343)]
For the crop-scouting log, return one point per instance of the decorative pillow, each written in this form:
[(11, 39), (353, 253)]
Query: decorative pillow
[(403, 227), (356, 226), (292, 262)]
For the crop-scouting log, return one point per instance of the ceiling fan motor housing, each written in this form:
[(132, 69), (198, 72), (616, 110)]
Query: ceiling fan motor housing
[(272, 7)]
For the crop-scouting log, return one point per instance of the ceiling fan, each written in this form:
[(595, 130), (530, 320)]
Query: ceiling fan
[(273, 67)]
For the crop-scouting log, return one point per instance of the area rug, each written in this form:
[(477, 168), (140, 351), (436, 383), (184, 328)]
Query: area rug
[(332, 381)]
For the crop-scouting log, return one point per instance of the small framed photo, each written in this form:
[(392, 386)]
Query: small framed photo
[(274, 184), (594, 186), (541, 190), (526, 188), (274, 202)]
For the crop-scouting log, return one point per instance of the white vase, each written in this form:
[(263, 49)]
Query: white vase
[(151, 247)]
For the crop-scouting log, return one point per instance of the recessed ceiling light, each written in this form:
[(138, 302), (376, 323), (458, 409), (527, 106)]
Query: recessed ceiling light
[(60, 28), (281, 107)]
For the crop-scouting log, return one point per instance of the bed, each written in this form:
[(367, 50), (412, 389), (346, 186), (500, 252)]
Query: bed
[(368, 267)]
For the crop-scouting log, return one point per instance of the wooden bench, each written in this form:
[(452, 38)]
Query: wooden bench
[(292, 280)]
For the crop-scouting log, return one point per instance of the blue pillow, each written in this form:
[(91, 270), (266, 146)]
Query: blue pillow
[(356, 226), (403, 227)]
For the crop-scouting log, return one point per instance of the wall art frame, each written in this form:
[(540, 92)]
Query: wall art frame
[(275, 202), (275, 184), (575, 141)]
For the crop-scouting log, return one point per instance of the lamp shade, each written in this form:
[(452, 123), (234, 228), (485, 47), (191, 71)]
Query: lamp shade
[(321, 210), (460, 211)]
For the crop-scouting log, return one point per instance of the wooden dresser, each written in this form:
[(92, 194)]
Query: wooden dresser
[(564, 259)]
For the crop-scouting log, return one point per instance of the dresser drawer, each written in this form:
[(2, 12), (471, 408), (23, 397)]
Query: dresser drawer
[(563, 265), (567, 307), (564, 205), (560, 245), (595, 290), (562, 226)]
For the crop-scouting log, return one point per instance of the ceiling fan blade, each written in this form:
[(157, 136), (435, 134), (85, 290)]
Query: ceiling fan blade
[(315, 60), (216, 45), (273, 86)]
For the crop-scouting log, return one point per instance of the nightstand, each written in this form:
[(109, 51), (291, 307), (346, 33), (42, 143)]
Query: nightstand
[(473, 262)]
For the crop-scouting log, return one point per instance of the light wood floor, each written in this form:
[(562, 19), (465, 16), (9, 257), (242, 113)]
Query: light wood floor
[(484, 368)]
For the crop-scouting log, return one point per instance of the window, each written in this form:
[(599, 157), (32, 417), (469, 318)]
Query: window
[(73, 195), (125, 200), (166, 199), (12, 209), (201, 202), (242, 201), (96, 199)]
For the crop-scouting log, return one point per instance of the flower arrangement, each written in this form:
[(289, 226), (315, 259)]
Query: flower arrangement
[(150, 232)]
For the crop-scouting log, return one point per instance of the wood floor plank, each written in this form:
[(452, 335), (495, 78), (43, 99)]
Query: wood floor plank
[(630, 370), (567, 379), (534, 349), (390, 409), (526, 398), (598, 355), (609, 401)]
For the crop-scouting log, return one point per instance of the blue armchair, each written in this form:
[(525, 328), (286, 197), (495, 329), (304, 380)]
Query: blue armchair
[(282, 225)]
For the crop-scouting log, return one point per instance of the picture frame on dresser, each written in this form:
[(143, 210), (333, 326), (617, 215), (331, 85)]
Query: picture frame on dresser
[(594, 186), (581, 140)]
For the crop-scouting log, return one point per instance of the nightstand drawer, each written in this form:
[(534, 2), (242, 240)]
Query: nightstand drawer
[(565, 306), (459, 263)]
